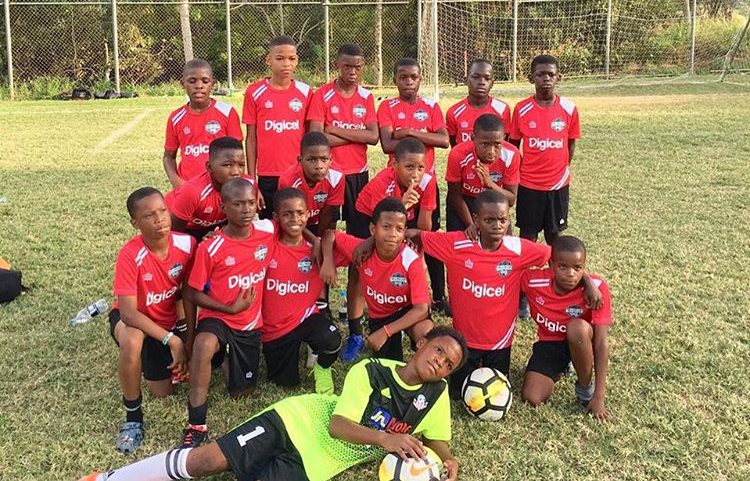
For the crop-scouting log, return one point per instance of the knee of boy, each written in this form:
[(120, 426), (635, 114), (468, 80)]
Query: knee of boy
[(205, 346), (131, 341), (531, 398), (579, 331)]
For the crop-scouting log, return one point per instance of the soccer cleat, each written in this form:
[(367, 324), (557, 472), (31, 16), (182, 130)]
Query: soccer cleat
[(192, 438), (130, 437), (354, 345), (443, 307), (312, 358), (323, 379), (91, 477)]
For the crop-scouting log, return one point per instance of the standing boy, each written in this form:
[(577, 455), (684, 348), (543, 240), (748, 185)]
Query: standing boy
[(274, 112), (547, 126), (192, 127), (149, 274), (567, 329), (226, 283), (460, 118)]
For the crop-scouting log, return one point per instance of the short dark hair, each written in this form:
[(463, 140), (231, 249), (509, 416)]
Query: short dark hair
[(313, 139), (197, 63), (405, 62), (489, 197), (234, 184), (478, 61), (221, 144), (389, 204), (568, 243), (286, 194), (351, 49), (140, 194), (447, 331), (281, 40), (488, 123), (408, 145), (544, 59)]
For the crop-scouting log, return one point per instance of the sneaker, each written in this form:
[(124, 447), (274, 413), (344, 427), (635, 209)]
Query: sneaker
[(91, 477), (130, 437), (312, 358), (192, 438), (323, 379), (443, 307), (354, 345)]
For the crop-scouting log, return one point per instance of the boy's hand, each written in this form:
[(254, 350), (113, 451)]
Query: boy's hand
[(597, 410), (592, 296), (328, 272), (484, 174), (472, 233), (317, 252), (179, 357), (243, 301), (261, 201), (212, 233), (376, 339), (404, 445), (411, 196), (451, 466), (363, 251), (399, 134)]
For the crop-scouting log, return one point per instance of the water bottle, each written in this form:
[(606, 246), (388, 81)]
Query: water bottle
[(342, 306), (4, 200), (89, 312)]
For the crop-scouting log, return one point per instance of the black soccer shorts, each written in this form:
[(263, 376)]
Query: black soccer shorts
[(542, 210), (353, 185), (242, 350), (550, 358)]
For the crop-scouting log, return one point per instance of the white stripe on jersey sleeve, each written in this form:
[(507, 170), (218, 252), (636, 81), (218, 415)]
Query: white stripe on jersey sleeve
[(182, 242), (329, 95), (222, 107), (408, 256), (567, 105), (429, 101), (563, 180), (265, 225), (259, 92), (178, 116), (498, 106), (507, 156), (302, 87), (142, 253), (334, 177), (459, 110), (426, 178), (215, 245), (513, 244), (363, 92)]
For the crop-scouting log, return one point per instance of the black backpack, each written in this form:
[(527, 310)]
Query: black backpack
[(10, 285)]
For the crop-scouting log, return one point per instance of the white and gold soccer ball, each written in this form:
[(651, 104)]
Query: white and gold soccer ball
[(486, 393), (393, 468)]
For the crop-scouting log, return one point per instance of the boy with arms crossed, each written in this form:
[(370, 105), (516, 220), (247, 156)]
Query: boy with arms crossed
[(192, 127), (149, 274), (314, 437)]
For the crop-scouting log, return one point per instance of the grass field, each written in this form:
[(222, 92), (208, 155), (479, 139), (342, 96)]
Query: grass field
[(661, 195)]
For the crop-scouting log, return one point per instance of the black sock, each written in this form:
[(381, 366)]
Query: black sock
[(197, 414), (355, 325), (133, 410)]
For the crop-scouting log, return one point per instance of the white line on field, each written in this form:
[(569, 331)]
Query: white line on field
[(124, 130)]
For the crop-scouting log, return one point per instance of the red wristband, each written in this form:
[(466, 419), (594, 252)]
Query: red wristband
[(387, 330)]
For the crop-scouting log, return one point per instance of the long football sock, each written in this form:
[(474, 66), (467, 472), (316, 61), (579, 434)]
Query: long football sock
[(133, 409), (166, 466)]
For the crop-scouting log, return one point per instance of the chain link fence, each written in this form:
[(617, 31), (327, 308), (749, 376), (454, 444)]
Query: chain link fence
[(56, 46)]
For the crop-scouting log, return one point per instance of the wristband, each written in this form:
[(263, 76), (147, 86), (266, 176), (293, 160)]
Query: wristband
[(167, 337), (387, 330)]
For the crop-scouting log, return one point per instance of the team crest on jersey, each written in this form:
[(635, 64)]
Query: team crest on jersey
[(401, 116), (320, 197), (208, 210), (574, 311), (496, 177), (175, 270), (420, 402), (464, 124), (540, 300), (335, 109), (229, 261), (398, 280), (268, 104), (213, 127), (186, 130), (148, 277), (295, 104), (305, 265), (558, 125), (504, 268), (359, 111), (260, 253), (368, 272), (469, 264), (532, 124), (420, 115)]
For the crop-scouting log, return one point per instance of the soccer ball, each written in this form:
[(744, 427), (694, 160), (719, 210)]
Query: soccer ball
[(486, 393), (393, 468)]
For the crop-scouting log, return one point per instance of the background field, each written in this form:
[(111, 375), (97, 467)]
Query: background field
[(661, 195)]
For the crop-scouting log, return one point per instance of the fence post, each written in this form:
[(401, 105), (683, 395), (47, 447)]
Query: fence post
[(514, 61), (230, 80), (693, 26), (327, 40), (608, 46), (419, 32), (435, 42), (9, 48), (281, 16), (729, 58), (379, 40), (115, 45)]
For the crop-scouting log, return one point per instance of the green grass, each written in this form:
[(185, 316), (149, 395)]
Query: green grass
[(661, 195)]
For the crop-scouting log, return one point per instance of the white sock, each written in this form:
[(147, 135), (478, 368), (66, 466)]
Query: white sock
[(168, 466)]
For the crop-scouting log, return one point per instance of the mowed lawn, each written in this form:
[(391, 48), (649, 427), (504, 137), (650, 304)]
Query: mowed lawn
[(661, 196)]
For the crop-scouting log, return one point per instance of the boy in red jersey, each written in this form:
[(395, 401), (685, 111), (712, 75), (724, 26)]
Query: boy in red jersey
[(293, 281), (196, 205), (392, 280), (345, 112), (485, 162), (548, 127), (567, 329), (149, 273), (226, 283), (323, 186), (274, 112), (192, 127), (460, 118)]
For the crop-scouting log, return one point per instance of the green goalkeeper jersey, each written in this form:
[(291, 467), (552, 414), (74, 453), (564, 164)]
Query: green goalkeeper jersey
[(373, 396)]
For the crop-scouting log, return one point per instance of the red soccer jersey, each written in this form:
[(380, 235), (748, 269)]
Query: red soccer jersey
[(484, 286), (198, 202), (279, 119), (387, 286), (460, 118), (155, 282), (192, 132), (545, 132), (462, 159), (385, 185), (224, 266), (552, 312), (354, 113), (329, 191), (423, 115)]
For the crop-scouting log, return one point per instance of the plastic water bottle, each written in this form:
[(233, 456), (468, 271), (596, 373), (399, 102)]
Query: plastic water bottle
[(342, 306), (4, 200), (89, 312)]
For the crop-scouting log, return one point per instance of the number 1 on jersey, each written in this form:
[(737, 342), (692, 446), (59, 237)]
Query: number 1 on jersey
[(244, 438)]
